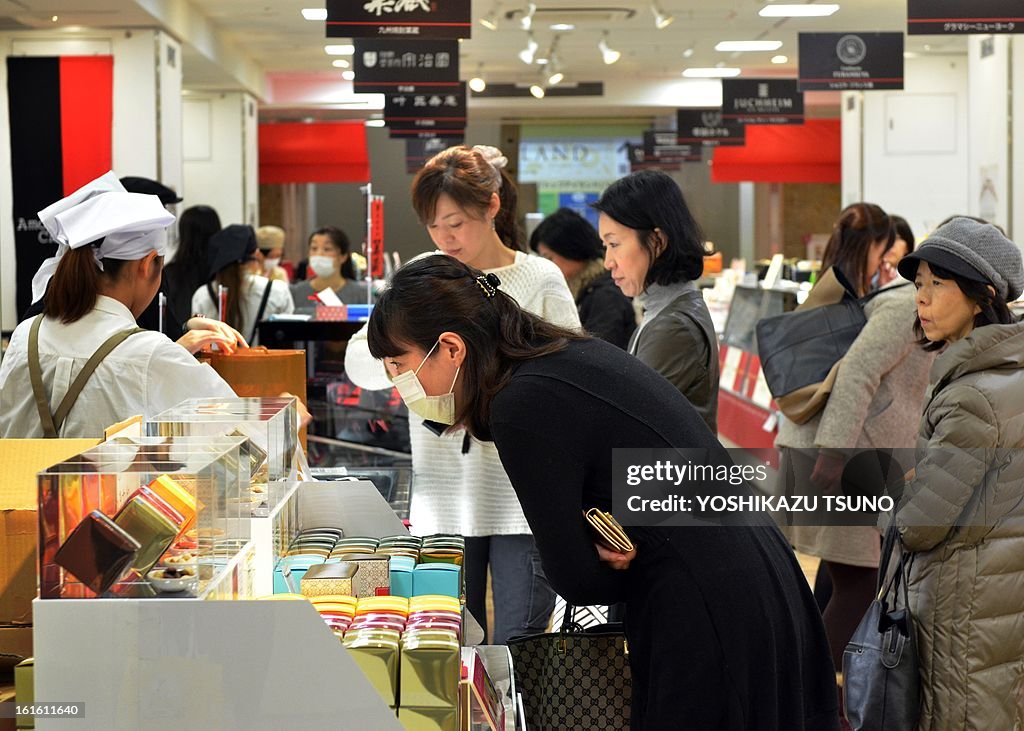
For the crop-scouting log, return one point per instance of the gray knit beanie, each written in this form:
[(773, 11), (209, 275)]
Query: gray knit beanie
[(973, 250)]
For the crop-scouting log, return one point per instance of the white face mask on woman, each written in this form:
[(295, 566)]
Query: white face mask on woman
[(269, 265), (322, 266), (432, 408)]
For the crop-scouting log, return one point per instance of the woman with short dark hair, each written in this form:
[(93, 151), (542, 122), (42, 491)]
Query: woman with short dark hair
[(571, 243), (654, 249), (723, 632)]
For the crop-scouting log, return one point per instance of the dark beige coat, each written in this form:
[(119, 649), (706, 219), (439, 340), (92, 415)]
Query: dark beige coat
[(962, 516), (876, 403)]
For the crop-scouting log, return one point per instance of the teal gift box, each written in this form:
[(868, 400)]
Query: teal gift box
[(401, 569), (437, 578)]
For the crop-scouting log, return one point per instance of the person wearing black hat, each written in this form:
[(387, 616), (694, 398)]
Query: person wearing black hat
[(251, 297), (961, 516), (148, 186)]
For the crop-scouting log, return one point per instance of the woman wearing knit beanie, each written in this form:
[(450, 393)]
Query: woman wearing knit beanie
[(961, 517)]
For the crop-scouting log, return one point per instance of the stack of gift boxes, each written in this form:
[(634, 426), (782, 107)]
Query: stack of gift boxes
[(396, 604)]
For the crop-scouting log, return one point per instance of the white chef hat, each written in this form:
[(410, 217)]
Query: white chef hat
[(130, 225)]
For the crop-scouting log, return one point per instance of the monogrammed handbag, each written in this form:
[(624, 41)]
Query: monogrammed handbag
[(574, 678)]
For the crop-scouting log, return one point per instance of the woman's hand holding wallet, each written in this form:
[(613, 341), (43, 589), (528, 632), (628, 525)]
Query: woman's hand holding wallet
[(613, 545)]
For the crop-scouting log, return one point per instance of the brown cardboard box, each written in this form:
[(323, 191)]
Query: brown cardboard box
[(22, 460)]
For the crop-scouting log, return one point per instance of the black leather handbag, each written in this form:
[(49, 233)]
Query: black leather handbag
[(881, 681), (800, 351), (575, 678)]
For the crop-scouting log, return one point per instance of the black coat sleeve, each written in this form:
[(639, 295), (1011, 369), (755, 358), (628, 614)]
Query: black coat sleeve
[(605, 313), (533, 434)]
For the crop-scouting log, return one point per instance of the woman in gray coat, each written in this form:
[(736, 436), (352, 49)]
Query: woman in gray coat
[(962, 515), (654, 249), (875, 404)]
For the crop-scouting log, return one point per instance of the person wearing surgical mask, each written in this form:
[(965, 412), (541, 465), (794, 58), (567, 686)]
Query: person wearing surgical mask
[(330, 267), (270, 247)]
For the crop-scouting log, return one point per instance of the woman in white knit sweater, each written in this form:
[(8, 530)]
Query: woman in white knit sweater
[(468, 205)]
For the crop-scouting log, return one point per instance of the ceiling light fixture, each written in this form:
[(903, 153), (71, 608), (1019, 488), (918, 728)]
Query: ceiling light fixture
[(314, 13), (562, 27), (748, 46), (716, 72), (375, 123), (661, 19), (526, 22), (556, 78), (348, 75), (477, 83), (688, 52), (343, 49), (798, 11), (528, 53), (340, 63), (54, 19), (490, 21), (537, 90), (608, 54), (780, 59)]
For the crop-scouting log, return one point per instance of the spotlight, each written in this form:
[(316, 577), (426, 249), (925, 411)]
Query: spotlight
[(490, 21), (556, 78), (661, 19), (526, 22), (527, 54), (477, 84), (537, 90), (608, 54)]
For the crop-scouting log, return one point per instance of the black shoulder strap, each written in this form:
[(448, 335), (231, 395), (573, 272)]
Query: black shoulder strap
[(52, 423), (260, 311)]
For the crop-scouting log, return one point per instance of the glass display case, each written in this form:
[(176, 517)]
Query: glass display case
[(271, 425), (143, 517)]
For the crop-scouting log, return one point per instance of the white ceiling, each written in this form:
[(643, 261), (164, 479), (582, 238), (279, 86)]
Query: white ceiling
[(273, 35)]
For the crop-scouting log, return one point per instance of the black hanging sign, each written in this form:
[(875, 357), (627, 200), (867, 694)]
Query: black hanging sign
[(390, 67), (957, 17), (409, 19), (418, 151), (851, 61), (453, 132), (762, 101), (664, 147), (425, 111), (705, 125)]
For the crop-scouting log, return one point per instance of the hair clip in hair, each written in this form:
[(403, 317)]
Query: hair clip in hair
[(488, 284)]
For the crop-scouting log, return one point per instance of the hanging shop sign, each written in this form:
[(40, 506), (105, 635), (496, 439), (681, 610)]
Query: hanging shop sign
[(425, 111), (410, 19), (393, 67), (850, 61), (705, 125), (640, 160), (663, 146), (957, 17), (418, 151), (762, 101), (451, 133)]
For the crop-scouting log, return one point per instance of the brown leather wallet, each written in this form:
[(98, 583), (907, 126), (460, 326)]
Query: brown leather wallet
[(607, 530)]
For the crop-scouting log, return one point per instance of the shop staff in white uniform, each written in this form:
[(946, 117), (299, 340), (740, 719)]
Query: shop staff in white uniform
[(251, 297), (84, 364)]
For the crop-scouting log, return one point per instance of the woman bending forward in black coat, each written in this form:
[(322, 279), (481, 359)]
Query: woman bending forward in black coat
[(723, 632)]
